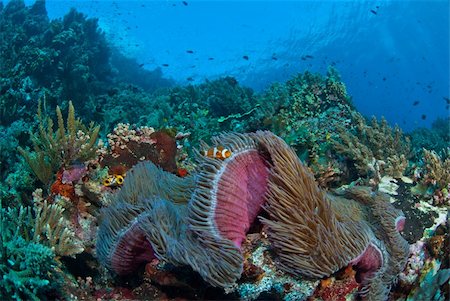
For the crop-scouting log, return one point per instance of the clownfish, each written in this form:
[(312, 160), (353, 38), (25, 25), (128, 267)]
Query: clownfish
[(218, 152), (113, 181)]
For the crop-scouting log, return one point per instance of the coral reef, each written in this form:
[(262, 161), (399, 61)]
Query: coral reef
[(374, 149), (189, 226), (30, 241), (433, 177), (436, 138), (129, 145)]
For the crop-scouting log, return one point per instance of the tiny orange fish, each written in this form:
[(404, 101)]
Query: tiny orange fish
[(218, 152)]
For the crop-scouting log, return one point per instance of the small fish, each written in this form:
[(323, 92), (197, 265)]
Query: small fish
[(274, 58), (245, 57), (218, 152), (446, 99), (373, 12), (305, 57), (165, 65), (424, 116), (113, 181), (189, 51), (210, 58), (185, 3), (415, 103), (384, 79), (190, 79), (141, 65)]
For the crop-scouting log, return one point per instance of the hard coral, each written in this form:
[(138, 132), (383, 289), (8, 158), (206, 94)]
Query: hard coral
[(129, 146), (365, 146), (433, 176)]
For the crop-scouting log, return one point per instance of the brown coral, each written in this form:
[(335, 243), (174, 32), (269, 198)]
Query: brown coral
[(130, 145), (374, 148)]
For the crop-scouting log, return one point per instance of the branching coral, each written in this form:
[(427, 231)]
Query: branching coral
[(52, 150), (436, 168), (433, 176), (28, 244), (374, 148), (45, 225)]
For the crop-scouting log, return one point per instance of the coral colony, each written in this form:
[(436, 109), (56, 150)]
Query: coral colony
[(208, 191)]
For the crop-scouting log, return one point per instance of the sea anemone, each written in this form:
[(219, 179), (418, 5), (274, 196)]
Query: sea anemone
[(227, 199), (123, 243), (316, 234), (202, 220), (309, 238)]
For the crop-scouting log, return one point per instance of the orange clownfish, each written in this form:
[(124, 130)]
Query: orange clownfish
[(113, 181), (218, 152)]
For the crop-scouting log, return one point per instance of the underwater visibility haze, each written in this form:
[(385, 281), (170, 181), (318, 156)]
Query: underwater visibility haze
[(224, 150)]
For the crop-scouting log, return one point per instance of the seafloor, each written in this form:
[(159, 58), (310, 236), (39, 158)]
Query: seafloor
[(116, 184)]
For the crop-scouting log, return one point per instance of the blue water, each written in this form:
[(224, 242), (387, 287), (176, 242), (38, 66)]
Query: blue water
[(391, 54)]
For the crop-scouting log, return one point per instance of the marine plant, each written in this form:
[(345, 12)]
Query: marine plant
[(54, 149)]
